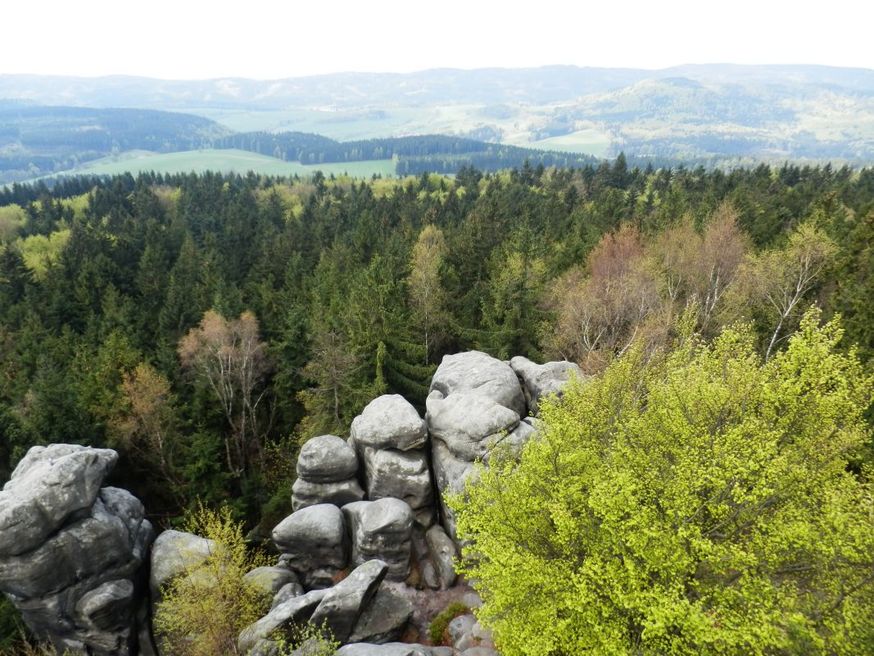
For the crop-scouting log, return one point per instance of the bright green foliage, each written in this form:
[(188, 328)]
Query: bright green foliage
[(203, 611), (307, 640), (693, 503)]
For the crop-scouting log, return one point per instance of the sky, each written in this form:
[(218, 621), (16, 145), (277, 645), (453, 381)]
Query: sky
[(186, 39)]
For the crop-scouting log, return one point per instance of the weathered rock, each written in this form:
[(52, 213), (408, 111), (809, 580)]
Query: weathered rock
[(382, 530), (50, 484), (327, 459), (459, 630), (443, 554), (450, 476), (175, 553), (539, 380), (313, 541), (509, 444), (389, 422), (343, 604), (305, 494), (402, 475), (464, 422), (265, 647), (480, 651), (286, 592), (389, 649), (270, 580), (74, 571), (480, 374), (384, 618), (295, 610)]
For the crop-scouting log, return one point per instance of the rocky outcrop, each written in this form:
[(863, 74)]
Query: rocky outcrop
[(389, 422), (313, 542), (327, 472), (341, 607), (539, 380), (71, 551), (443, 554), (381, 530), (477, 373)]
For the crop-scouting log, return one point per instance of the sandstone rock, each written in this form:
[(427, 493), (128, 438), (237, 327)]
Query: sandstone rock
[(270, 580), (389, 422), (478, 373), (297, 609), (343, 604), (286, 592), (382, 530), (450, 475), (384, 618), (313, 541), (74, 571), (403, 475), (480, 651), (443, 554), (509, 444), (327, 459), (305, 494), (539, 380), (464, 422), (175, 553), (50, 484), (459, 630)]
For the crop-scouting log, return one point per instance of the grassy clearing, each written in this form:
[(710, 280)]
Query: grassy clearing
[(589, 141), (237, 161)]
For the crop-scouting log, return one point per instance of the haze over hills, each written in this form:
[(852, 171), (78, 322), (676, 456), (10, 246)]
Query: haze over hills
[(698, 114)]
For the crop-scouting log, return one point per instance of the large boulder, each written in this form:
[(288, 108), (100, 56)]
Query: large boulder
[(305, 494), (313, 543), (71, 551), (175, 553), (384, 619), (270, 580), (539, 380), (474, 372), (382, 530), (451, 474), (343, 604), (389, 422), (402, 475), (327, 459), (466, 422), (389, 649), (283, 616), (443, 554)]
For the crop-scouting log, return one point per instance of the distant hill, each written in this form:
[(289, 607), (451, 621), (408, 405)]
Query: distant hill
[(719, 114), (39, 140)]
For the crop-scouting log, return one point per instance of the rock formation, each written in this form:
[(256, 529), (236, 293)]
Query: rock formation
[(327, 470), (71, 552)]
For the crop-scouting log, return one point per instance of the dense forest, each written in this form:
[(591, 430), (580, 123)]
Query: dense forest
[(204, 325)]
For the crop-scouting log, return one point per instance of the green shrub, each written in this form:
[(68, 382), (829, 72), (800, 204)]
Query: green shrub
[(440, 623)]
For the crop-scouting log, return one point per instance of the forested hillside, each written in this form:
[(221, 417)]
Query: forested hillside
[(204, 325)]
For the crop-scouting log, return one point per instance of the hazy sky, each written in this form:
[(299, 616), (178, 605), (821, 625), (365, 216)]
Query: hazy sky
[(255, 38)]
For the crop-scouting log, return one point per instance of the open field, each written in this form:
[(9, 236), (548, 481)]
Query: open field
[(238, 161)]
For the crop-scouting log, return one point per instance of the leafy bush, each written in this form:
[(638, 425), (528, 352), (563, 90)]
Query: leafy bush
[(697, 502)]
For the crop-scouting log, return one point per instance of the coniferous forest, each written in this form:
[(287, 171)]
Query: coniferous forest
[(332, 291), (205, 326)]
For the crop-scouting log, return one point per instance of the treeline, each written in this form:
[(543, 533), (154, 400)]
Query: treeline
[(432, 153), (322, 293), (38, 140)]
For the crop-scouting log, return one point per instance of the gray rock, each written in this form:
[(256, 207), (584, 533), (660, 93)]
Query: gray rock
[(459, 631), (327, 459), (465, 421), (270, 580), (509, 444), (389, 422), (343, 604), (313, 541), (295, 610), (175, 553), (390, 649), (382, 529), (384, 618), (305, 494), (402, 475), (50, 484), (480, 651), (451, 474), (443, 554), (77, 586), (286, 592), (478, 373), (539, 380), (265, 647)]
